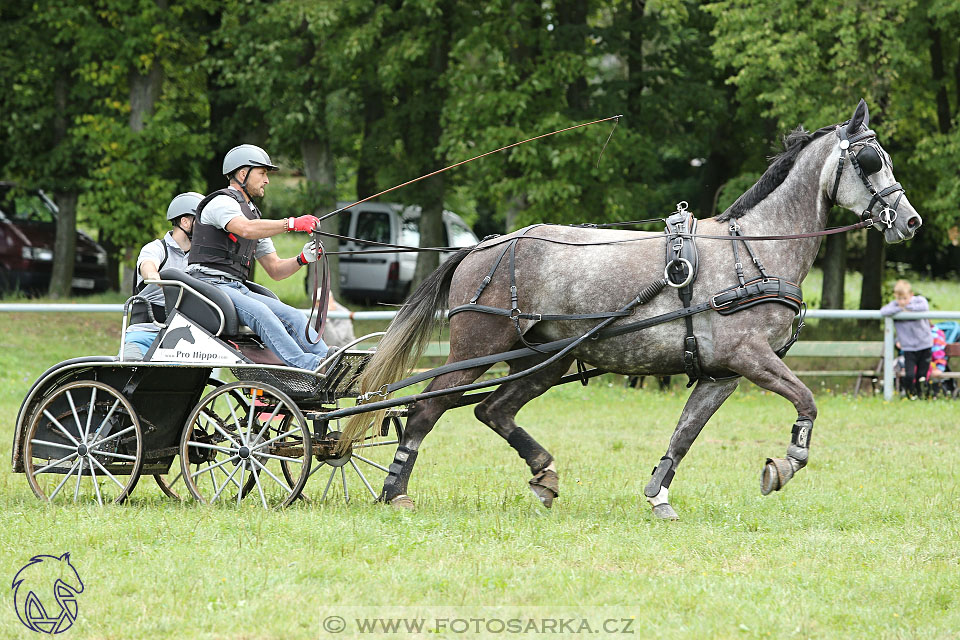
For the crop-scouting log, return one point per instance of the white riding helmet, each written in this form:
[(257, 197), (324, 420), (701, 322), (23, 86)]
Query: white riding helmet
[(184, 204), (246, 155)]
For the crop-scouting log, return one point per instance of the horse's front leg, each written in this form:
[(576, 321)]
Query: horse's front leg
[(703, 402), (764, 368)]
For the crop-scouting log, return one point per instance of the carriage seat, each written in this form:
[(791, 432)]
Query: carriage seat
[(199, 310)]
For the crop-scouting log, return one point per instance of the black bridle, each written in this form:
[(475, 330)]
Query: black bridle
[(866, 162)]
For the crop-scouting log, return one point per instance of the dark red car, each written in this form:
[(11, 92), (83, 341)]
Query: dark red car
[(27, 233)]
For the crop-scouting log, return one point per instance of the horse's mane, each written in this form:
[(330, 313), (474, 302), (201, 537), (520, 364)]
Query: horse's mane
[(780, 166)]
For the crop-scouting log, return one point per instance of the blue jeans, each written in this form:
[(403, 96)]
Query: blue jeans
[(279, 325), (137, 343)]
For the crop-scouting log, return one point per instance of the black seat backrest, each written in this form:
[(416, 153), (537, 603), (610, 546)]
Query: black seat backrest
[(195, 308)]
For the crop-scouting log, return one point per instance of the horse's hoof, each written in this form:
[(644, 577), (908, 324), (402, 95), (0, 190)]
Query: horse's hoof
[(546, 486), (664, 511), (403, 501), (776, 473)]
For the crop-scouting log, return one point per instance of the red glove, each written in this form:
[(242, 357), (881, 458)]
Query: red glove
[(304, 223), (309, 254)]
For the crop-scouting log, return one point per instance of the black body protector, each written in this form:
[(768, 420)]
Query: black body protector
[(220, 249)]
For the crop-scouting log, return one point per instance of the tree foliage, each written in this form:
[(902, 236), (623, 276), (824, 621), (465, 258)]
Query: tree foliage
[(121, 104)]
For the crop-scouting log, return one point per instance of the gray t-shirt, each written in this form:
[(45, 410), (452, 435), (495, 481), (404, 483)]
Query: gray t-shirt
[(153, 252), (218, 212)]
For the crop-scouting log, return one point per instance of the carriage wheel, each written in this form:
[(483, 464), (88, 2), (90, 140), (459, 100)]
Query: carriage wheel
[(363, 468), (84, 443), (171, 483), (235, 441)]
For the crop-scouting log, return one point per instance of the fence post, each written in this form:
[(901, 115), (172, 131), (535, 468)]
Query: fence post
[(888, 358)]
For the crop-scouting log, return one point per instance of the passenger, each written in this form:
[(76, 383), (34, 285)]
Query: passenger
[(230, 233), (913, 335), (338, 331), (170, 251)]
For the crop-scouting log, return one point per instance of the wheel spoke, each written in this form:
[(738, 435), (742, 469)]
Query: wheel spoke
[(204, 445), (252, 412), (224, 485), (256, 478), (60, 426), (53, 464), (122, 456), (73, 410), (236, 420), (270, 473), (109, 475), (96, 486), (364, 445), (329, 482), (93, 402), (112, 437), (76, 491), (343, 478), (53, 444), (276, 457), (243, 470), (371, 463), (233, 480), (266, 424), (282, 435), (106, 419), (175, 479), (64, 481), (211, 467), (217, 426), (363, 479)]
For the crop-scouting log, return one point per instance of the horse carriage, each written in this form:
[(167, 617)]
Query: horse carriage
[(541, 299), (90, 427)]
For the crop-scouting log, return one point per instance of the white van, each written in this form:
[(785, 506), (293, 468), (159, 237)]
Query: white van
[(385, 277)]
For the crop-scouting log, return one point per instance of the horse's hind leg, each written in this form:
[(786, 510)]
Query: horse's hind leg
[(703, 402), (498, 411), (423, 416), (764, 368)]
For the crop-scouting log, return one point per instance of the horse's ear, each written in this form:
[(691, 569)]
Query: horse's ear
[(860, 116), (66, 556)]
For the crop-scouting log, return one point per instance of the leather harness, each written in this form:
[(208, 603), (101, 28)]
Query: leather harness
[(680, 272)]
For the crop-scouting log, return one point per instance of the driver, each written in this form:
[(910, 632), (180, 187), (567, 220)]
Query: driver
[(230, 233), (169, 251)]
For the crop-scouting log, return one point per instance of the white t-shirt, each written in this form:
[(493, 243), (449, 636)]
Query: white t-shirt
[(153, 252), (218, 213)]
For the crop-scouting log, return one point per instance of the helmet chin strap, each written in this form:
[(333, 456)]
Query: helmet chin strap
[(243, 185)]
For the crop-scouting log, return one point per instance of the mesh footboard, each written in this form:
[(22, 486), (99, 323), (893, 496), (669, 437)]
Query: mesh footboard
[(339, 381)]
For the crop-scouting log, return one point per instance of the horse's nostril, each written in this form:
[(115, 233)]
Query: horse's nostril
[(913, 222)]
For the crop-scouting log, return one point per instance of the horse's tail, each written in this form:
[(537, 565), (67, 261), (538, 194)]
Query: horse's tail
[(406, 338)]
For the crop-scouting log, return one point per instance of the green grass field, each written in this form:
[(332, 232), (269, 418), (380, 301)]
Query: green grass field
[(864, 543)]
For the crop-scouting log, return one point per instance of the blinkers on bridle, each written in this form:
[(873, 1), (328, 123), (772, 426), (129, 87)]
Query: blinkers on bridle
[(866, 162)]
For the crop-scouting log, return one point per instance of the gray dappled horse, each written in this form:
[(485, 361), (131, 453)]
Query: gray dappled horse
[(569, 270)]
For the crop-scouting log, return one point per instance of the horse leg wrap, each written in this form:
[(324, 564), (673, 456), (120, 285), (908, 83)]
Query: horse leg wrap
[(533, 454), (662, 477), (395, 486), (778, 471), (546, 486)]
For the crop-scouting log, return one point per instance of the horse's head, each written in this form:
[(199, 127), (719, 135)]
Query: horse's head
[(862, 180)]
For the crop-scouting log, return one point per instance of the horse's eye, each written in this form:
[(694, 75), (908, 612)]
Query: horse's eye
[(869, 160)]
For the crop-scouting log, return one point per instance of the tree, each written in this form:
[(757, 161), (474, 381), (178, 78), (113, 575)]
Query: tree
[(810, 62)]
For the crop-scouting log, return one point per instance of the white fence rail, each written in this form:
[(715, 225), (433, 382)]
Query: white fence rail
[(826, 314)]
